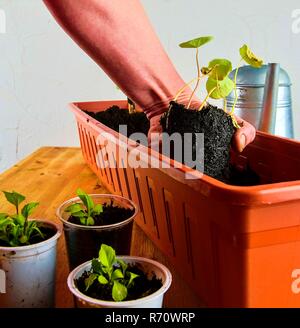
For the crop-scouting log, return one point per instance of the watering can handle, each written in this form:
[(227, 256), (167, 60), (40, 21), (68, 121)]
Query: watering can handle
[(268, 116)]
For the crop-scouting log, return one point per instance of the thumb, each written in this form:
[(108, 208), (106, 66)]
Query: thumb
[(243, 136)]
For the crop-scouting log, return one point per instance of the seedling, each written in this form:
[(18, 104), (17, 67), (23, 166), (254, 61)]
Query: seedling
[(16, 229), (218, 84), (248, 56), (196, 44), (86, 210), (111, 273)]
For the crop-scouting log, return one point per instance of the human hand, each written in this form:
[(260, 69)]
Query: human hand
[(243, 136)]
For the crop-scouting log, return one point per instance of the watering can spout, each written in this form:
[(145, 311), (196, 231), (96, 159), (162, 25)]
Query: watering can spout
[(269, 109)]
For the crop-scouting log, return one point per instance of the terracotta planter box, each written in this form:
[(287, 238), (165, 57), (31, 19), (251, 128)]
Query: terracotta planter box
[(236, 246)]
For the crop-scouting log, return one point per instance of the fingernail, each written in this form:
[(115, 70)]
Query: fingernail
[(242, 142)]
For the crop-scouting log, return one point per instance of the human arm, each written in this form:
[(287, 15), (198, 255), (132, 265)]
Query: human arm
[(120, 39)]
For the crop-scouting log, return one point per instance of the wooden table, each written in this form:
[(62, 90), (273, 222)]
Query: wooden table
[(52, 175)]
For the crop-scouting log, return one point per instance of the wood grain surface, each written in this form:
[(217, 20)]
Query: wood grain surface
[(52, 175)]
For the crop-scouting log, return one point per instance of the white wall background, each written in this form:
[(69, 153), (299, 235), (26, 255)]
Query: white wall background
[(41, 69)]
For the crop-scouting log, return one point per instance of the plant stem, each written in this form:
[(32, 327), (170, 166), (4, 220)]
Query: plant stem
[(25, 226), (205, 100), (235, 90), (198, 78), (131, 106), (185, 86)]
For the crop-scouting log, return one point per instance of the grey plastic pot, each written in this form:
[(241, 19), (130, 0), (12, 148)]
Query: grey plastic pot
[(148, 266), (83, 242), (29, 273)]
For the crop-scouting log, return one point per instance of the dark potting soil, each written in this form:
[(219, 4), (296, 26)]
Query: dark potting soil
[(115, 116), (237, 177), (111, 214), (218, 131), (213, 122), (142, 286), (47, 232)]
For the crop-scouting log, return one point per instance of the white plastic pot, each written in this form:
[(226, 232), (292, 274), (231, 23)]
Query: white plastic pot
[(150, 267), (29, 273), (83, 242)]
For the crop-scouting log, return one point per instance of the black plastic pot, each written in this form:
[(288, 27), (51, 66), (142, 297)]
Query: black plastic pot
[(83, 242)]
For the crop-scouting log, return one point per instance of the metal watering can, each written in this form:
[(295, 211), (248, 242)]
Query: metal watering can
[(264, 99)]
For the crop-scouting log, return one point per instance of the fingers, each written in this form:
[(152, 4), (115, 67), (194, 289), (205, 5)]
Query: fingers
[(154, 134), (243, 136)]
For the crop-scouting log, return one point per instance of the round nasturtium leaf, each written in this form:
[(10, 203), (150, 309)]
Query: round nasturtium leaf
[(196, 43), (223, 88), (220, 68), (249, 57)]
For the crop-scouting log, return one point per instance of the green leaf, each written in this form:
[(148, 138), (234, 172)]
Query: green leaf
[(98, 209), (96, 266), (132, 276), (19, 219), (35, 228), (5, 222), (83, 220), (196, 43), (107, 255), (117, 274), (119, 291), (3, 216), (102, 280), (15, 233), (123, 265), (14, 197), (90, 221), (86, 199), (14, 242), (30, 228), (23, 239), (73, 208), (249, 57), (80, 214), (219, 68), (223, 88), (28, 209), (89, 280)]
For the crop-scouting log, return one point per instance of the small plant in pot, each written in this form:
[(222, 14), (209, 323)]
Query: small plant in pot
[(123, 281), (27, 256), (218, 125), (90, 220)]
